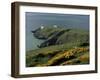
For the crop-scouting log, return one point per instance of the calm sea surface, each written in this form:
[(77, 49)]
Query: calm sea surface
[(35, 20)]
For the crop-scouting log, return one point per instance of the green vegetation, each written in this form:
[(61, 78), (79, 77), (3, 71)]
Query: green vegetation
[(61, 47)]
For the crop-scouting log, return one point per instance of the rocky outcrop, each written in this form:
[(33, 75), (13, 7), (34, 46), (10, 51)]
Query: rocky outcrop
[(57, 36)]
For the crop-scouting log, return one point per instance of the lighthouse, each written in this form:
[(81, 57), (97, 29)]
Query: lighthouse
[(55, 26), (42, 27)]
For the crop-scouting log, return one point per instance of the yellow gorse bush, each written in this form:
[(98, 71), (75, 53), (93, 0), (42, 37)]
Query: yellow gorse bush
[(72, 52), (66, 54)]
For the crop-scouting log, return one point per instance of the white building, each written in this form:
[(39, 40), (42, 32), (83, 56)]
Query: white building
[(55, 26), (42, 27)]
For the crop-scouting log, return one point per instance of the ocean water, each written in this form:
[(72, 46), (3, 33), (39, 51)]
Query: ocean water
[(35, 20), (32, 42)]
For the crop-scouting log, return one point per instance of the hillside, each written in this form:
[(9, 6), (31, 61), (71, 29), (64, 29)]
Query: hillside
[(61, 46)]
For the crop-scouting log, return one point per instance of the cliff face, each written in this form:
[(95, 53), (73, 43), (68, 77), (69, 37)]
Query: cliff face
[(57, 36), (61, 46)]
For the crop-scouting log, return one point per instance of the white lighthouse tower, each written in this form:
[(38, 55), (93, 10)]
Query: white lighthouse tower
[(42, 27), (55, 26)]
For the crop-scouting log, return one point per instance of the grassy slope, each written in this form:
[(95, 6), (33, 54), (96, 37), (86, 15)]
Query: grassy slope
[(74, 36), (66, 50), (46, 32)]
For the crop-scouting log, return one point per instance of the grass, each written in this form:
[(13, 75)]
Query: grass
[(48, 31), (70, 48), (59, 57)]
